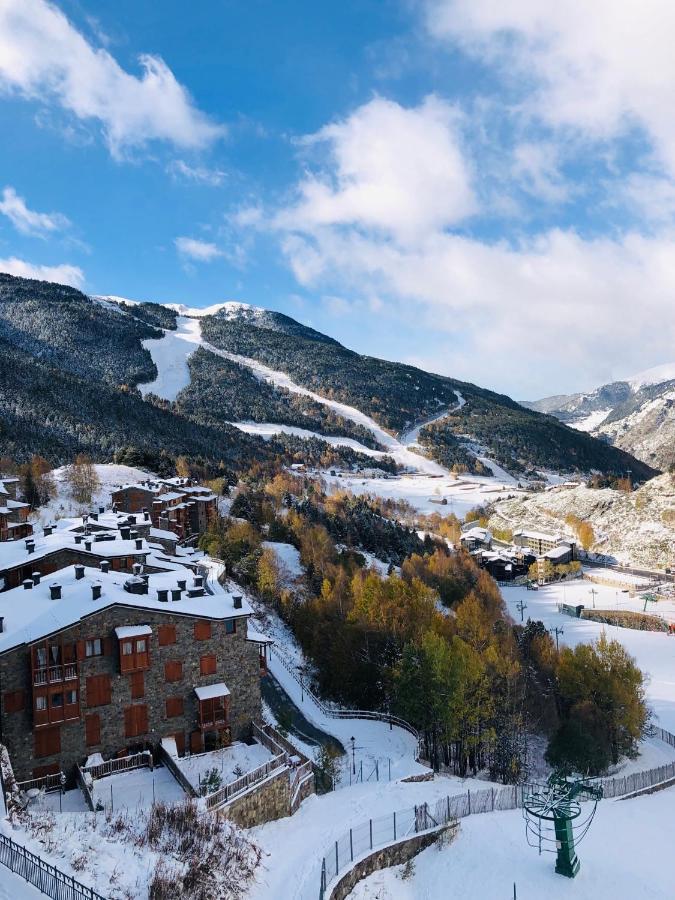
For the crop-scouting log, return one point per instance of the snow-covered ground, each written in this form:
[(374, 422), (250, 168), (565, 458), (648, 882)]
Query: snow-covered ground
[(288, 558), (625, 856), (425, 493), (137, 789), (654, 651), (590, 422), (268, 430), (170, 354), (230, 763), (110, 476)]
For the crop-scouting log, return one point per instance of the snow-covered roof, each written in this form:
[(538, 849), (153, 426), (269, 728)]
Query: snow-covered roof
[(162, 534), (537, 535), (477, 534), (13, 553), (212, 690), (129, 631), (257, 637), (557, 552), (29, 616)]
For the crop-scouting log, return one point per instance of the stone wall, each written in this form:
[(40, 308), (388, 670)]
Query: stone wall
[(236, 665), (391, 855), (264, 802)]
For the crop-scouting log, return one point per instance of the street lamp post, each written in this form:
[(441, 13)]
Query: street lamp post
[(353, 740), (593, 593)]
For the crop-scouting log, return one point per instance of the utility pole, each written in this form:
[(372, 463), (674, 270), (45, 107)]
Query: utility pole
[(593, 593), (521, 606), (557, 631)]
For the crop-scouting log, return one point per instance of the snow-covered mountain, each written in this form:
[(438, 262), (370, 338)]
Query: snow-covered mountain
[(637, 415)]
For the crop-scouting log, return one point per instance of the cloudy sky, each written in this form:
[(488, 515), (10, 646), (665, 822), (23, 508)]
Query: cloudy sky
[(484, 189)]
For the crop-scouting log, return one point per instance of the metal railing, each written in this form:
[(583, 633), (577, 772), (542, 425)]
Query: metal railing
[(301, 774), (45, 877), (231, 790), (54, 674), (120, 764), (384, 830), (343, 713)]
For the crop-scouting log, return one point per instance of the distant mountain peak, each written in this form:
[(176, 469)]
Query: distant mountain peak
[(655, 375)]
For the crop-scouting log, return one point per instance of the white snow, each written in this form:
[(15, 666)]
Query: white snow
[(200, 311), (210, 691), (269, 429), (137, 789), (625, 856), (170, 354), (655, 375), (591, 421), (288, 557), (127, 631), (230, 762)]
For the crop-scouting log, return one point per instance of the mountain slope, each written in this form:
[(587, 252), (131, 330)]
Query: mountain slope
[(637, 415), (398, 395)]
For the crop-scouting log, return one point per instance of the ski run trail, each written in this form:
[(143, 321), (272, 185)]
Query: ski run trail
[(170, 355)]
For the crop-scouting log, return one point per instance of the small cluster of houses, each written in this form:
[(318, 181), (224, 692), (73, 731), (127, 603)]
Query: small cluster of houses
[(114, 637), (506, 562)]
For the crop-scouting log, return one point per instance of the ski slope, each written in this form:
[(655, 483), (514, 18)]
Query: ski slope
[(170, 355)]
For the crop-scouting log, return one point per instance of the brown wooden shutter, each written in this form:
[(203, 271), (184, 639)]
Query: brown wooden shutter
[(167, 635), (207, 665), (135, 720), (137, 682), (202, 631), (99, 690), (174, 707), (107, 646), (81, 650), (142, 719), (92, 728), (173, 670), (14, 701), (47, 741)]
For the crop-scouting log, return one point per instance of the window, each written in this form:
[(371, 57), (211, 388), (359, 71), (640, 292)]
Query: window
[(137, 682), (173, 670), (167, 635), (230, 626), (93, 647), (99, 691), (71, 697), (134, 654), (207, 665), (127, 648), (57, 700), (92, 729), (174, 707), (47, 741), (141, 645), (40, 703), (41, 657), (135, 720), (202, 631), (14, 701)]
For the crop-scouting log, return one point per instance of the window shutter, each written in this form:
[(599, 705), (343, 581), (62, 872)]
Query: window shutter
[(174, 707), (202, 631), (99, 690), (207, 665), (81, 652), (173, 670), (92, 727), (107, 646), (137, 681), (167, 635), (47, 741)]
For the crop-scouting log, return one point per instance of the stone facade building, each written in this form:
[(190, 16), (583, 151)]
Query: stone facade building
[(174, 504)]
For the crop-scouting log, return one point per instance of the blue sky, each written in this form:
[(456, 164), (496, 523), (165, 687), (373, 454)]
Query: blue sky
[(484, 192)]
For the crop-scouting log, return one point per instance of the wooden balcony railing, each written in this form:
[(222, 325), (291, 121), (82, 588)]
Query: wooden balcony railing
[(54, 674)]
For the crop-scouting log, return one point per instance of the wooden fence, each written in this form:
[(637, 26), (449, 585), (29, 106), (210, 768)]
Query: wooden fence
[(47, 782), (120, 764)]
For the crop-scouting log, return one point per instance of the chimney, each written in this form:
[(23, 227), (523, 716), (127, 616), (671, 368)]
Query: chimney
[(136, 568), (79, 538), (105, 565), (48, 530), (115, 507), (134, 534), (125, 532), (175, 594), (96, 592), (101, 510), (199, 581), (139, 543), (79, 572), (132, 520), (27, 584), (30, 545), (94, 516), (36, 576), (145, 510), (163, 595), (55, 591), (87, 545), (182, 583), (2, 624), (237, 598)]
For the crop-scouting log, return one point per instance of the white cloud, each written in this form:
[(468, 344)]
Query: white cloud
[(27, 221), (603, 66), (43, 57), (536, 168), (201, 251), (198, 174), (62, 274), (394, 169)]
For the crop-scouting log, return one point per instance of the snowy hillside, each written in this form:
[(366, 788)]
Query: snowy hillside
[(637, 528)]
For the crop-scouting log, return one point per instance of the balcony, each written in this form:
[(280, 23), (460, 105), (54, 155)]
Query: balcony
[(54, 674)]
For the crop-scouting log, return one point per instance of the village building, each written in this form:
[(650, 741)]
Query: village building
[(173, 504), (14, 522), (97, 660), (541, 542)]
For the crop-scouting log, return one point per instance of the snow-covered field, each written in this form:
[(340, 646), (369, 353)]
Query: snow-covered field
[(110, 476), (288, 558), (268, 430), (425, 493), (170, 354), (230, 763), (653, 651), (625, 856), (137, 789)]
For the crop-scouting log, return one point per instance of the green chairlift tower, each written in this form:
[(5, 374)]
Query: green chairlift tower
[(554, 821)]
